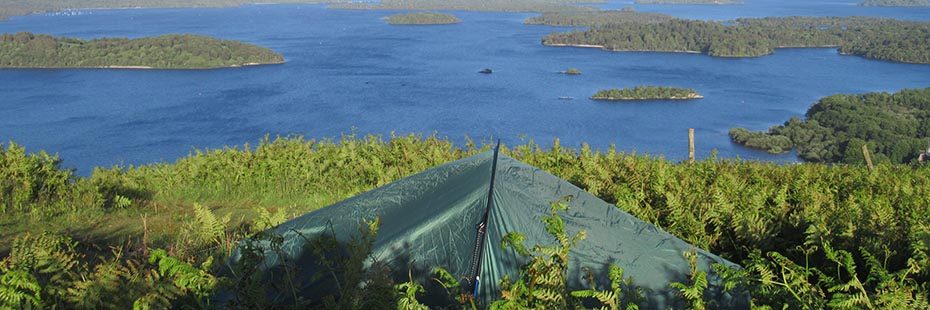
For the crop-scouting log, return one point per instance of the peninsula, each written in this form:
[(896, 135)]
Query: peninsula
[(423, 18), (894, 127), (27, 50), (647, 93)]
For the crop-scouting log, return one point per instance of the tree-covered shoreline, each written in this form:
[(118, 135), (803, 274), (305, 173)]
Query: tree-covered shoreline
[(874, 38), (423, 18), (27, 50), (647, 93), (895, 127)]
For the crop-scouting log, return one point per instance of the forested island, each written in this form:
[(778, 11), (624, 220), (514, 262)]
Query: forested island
[(473, 5), (895, 3), (27, 50), (875, 38), (423, 18), (647, 93), (895, 128), (689, 1), (23, 7)]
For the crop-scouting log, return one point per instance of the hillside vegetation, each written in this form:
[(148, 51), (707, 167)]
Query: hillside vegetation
[(875, 38), (423, 18), (27, 50), (810, 236), (894, 127)]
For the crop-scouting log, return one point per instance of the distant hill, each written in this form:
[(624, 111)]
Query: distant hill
[(423, 18), (23, 7), (719, 2), (895, 3)]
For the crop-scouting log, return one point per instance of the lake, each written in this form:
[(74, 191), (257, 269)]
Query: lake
[(348, 72)]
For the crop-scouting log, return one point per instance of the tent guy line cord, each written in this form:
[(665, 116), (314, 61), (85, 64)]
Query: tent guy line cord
[(482, 227)]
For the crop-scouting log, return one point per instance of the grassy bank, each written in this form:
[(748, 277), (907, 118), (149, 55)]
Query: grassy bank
[(809, 235)]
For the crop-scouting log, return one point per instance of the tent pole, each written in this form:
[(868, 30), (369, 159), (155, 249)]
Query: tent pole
[(482, 227)]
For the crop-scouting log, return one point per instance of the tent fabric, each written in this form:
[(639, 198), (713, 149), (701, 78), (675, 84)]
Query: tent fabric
[(429, 220)]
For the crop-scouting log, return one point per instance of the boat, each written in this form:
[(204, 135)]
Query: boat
[(566, 98), (486, 71)]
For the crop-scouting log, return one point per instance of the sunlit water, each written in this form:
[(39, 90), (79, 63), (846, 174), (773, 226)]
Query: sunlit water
[(349, 72)]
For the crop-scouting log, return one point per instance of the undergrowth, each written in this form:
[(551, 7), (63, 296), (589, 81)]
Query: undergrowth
[(809, 236)]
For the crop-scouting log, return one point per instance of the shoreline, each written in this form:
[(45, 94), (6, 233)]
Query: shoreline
[(251, 64), (618, 50)]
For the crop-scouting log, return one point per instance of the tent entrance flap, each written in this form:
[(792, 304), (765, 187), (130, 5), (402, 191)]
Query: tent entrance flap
[(472, 281)]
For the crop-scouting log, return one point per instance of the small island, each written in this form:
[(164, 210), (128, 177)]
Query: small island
[(917, 3), (647, 93), (423, 18), (27, 50), (571, 71)]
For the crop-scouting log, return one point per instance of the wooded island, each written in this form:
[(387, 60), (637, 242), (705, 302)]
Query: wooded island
[(894, 127), (423, 18), (647, 93), (875, 38), (27, 50)]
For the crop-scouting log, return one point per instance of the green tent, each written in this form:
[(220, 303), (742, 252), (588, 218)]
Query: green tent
[(430, 220)]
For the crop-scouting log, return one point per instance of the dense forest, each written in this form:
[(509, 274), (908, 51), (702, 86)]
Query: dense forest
[(894, 127), (423, 18), (647, 93), (876, 38), (809, 236), (688, 1), (596, 18), (472, 5), (895, 3), (27, 50), (23, 7)]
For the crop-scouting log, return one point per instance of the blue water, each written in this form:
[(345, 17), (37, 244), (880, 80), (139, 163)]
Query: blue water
[(349, 72)]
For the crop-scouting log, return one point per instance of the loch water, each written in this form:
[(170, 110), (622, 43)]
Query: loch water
[(349, 72)]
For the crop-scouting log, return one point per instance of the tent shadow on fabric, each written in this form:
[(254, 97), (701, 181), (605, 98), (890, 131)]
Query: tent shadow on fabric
[(429, 220)]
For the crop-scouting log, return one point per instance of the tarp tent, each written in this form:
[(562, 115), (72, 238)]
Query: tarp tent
[(429, 220)]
